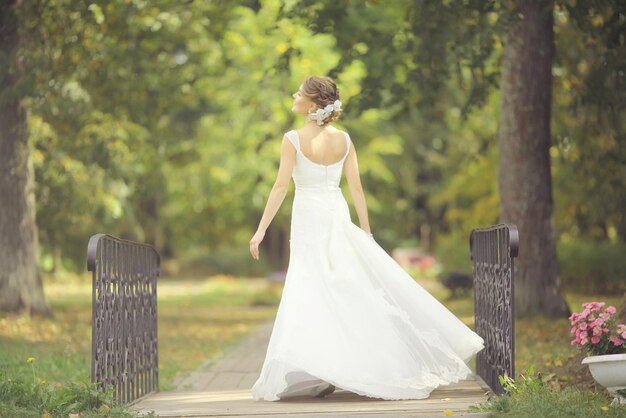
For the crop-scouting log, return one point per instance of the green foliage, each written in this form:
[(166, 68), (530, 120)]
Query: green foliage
[(452, 252), (228, 182), (468, 194), (24, 398), (532, 396), (162, 122), (589, 120), (232, 261), (596, 267)]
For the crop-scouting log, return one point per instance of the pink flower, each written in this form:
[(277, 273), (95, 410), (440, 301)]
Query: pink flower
[(590, 326)]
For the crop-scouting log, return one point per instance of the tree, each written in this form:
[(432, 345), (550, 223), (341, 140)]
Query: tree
[(525, 181), (102, 159), (161, 121), (20, 279)]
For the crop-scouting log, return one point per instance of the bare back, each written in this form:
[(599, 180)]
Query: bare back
[(325, 147)]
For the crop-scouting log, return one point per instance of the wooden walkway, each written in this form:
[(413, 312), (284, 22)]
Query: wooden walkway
[(221, 388)]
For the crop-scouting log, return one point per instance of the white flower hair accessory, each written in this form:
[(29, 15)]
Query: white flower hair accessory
[(320, 114)]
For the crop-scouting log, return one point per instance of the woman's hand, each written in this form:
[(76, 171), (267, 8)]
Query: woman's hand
[(254, 244)]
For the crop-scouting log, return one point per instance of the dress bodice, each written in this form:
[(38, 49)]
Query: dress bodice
[(308, 175)]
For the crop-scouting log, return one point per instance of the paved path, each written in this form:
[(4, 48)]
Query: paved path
[(237, 369), (221, 388)]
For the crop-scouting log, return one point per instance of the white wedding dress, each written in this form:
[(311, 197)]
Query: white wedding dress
[(349, 314)]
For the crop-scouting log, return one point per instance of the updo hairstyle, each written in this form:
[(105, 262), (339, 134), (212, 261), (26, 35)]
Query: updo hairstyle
[(322, 91)]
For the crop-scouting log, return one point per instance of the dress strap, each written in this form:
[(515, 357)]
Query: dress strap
[(292, 136), (345, 134)]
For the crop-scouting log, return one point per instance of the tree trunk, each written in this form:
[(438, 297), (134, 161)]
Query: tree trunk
[(21, 287), (525, 182)]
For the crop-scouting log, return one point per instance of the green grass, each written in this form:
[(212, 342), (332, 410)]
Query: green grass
[(61, 346), (23, 398), (545, 344), (534, 395), (197, 320)]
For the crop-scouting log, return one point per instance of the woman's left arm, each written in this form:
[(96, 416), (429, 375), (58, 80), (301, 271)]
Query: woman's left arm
[(277, 195)]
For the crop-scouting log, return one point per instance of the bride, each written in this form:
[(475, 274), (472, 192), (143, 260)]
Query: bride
[(350, 317)]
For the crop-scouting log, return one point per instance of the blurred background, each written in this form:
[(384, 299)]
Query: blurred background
[(161, 122)]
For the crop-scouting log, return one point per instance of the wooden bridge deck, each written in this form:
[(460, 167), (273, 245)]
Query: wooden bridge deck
[(222, 389)]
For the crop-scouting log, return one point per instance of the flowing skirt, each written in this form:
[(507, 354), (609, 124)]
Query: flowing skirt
[(351, 316)]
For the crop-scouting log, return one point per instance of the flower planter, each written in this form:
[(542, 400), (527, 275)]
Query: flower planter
[(610, 371)]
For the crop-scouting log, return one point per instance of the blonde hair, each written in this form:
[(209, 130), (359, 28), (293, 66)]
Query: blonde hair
[(322, 91)]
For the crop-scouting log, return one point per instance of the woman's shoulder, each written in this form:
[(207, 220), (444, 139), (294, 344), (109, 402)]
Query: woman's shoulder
[(334, 131), (338, 133)]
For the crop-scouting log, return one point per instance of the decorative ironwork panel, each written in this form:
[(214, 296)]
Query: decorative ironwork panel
[(124, 351), (492, 251)]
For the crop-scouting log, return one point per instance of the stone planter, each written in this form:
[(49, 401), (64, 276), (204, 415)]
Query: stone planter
[(610, 371)]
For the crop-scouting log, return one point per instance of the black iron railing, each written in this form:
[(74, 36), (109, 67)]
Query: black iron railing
[(124, 350), (492, 251)]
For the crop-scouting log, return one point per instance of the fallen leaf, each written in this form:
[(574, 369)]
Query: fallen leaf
[(604, 408), (448, 413), (446, 399)]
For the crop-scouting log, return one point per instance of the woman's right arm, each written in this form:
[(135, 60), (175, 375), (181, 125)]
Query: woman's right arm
[(277, 194), (351, 168)]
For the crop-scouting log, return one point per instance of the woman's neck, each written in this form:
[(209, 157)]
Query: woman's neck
[(312, 125)]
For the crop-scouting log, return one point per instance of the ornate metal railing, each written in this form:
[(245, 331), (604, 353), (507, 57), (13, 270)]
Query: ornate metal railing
[(124, 351), (492, 251)]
